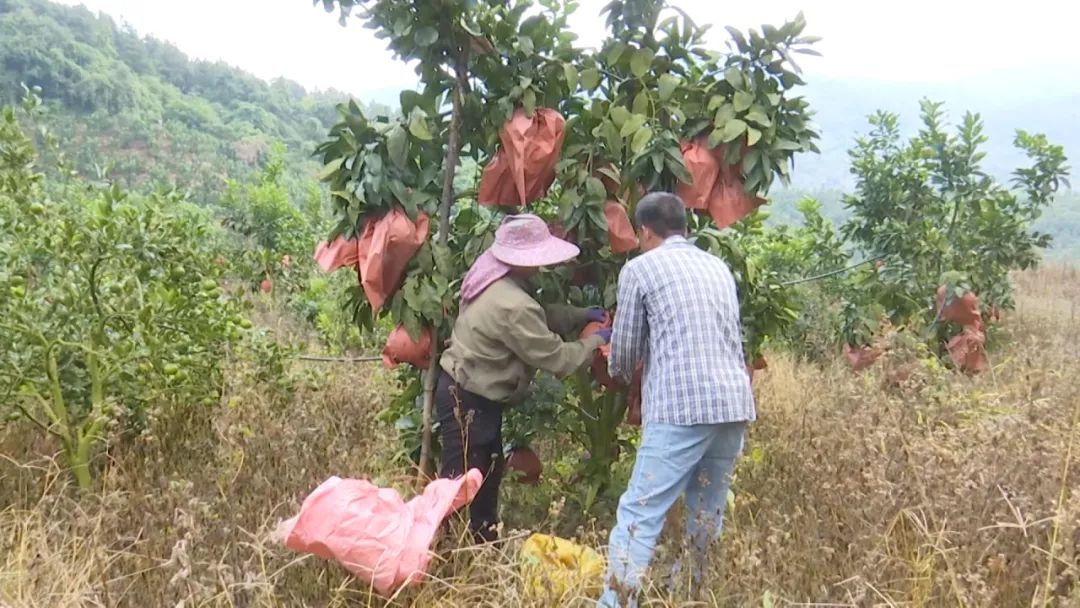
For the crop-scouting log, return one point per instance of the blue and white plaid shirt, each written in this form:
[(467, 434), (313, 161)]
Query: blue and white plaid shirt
[(678, 311)]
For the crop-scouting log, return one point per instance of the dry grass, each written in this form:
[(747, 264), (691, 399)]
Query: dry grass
[(855, 491)]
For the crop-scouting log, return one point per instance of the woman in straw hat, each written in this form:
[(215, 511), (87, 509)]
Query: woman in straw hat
[(501, 337)]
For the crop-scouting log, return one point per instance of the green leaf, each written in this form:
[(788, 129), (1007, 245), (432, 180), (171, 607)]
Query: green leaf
[(641, 140), (752, 136), (734, 77), (528, 100), (616, 53), (596, 214), (716, 137), (723, 115), (641, 103), (595, 188), (743, 101), (411, 321), (526, 45), (330, 168), (641, 61), (758, 116), (426, 36), (590, 79), (751, 160), (418, 126), (570, 72), (619, 116), (397, 145), (631, 126), (733, 129), (667, 85)]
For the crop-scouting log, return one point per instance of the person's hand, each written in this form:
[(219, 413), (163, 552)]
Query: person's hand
[(595, 315), (604, 333)]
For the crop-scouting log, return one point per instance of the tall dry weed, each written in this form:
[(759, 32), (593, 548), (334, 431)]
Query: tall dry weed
[(907, 485)]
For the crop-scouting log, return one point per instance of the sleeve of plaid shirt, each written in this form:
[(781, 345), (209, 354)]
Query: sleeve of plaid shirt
[(629, 338)]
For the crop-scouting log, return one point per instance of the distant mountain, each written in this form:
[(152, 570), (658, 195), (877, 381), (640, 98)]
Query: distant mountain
[(142, 112)]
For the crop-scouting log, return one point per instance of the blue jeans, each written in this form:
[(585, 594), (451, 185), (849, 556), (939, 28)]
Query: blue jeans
[(671, 460)]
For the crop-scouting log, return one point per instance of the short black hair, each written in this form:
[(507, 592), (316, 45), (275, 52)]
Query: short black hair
[(662, 212)]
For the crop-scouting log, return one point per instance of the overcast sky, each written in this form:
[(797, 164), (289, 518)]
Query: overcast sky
[(905, 41)]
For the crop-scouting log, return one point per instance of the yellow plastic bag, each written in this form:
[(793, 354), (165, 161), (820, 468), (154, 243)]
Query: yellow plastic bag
[(553, 566)]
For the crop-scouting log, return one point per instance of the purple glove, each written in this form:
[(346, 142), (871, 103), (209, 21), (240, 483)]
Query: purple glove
[(604, 333), (595, 315)]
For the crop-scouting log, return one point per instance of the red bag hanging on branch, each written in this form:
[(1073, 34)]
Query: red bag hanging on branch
[(524, 167), (384, 250), (621, 234), (525, 461), (968, 350), (704, 169), (962, 311), (401, 348), (732, 203), (340, 253), (716, 187)]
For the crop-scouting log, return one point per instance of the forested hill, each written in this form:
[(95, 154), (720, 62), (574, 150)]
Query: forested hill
[(142, 111)]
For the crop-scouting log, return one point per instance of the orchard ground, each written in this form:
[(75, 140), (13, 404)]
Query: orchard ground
[(905, 486)]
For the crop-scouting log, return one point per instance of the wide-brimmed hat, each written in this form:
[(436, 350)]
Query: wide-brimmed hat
[(525, 241)]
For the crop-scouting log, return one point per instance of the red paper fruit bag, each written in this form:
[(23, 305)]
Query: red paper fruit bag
[(524, 167)]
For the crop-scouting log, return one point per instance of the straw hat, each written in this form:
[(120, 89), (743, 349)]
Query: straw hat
[(525, 241)]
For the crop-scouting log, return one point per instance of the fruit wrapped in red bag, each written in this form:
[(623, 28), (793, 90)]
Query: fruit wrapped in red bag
[(384, 250), (621, 235), (523, 168), (716, 187), (963, 310), (968, 350), (401, 348), (524, 461)]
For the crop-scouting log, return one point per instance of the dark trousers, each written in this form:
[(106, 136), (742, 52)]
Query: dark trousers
[(470, 432)]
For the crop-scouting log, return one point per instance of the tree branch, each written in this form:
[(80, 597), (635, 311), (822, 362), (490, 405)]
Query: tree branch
[(829, 274)]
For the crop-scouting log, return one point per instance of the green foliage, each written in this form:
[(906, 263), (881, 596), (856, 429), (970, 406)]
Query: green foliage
[(112, 304), (929, 212), (274, 237)]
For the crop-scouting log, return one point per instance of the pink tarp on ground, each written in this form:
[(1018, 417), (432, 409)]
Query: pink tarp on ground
[(377, 536)]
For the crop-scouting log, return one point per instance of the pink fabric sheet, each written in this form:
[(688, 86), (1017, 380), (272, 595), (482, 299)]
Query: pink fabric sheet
[(372, 532)]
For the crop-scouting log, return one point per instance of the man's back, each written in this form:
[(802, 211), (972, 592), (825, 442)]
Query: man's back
[(679, 310)]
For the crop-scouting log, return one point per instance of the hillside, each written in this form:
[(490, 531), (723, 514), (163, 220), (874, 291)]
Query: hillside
[(141, 111)]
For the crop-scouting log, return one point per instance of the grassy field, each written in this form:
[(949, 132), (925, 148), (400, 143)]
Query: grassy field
[(904, 486)]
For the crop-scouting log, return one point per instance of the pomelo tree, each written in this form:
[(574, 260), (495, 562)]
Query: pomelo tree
[(642, 112)]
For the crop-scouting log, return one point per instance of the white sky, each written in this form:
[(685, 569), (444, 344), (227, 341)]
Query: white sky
[(895, 40)]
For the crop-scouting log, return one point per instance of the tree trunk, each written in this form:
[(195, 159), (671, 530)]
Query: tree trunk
[(453, 152)]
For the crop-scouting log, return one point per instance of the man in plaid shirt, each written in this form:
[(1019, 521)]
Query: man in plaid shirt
[(678, 312)]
